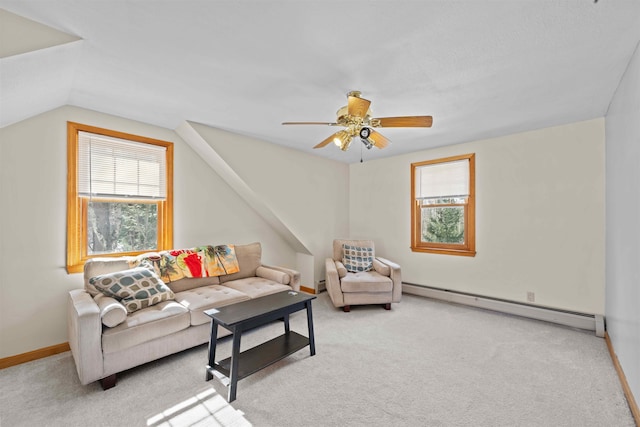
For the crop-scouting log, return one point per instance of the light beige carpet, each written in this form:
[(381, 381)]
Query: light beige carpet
[(424, 363)]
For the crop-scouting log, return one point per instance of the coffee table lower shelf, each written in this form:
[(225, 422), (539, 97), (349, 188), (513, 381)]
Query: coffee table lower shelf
[(256, 358)]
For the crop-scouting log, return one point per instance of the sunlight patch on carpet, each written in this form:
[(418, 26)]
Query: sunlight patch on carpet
[(205, 408)]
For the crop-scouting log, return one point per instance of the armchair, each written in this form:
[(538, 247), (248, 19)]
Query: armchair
[(355, 276)]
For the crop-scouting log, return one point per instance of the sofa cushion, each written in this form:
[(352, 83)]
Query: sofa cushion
[(137, 288), (192, 283), (112, 312), (200, 299), (256, 287), (249, 259), (145, 325), (98, 266), (367, 281), (275, 275)]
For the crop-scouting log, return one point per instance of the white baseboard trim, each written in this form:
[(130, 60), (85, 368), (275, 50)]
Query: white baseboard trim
[(588, 322)]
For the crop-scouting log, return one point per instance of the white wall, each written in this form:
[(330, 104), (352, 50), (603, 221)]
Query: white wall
[(33, 279), (539, 217), (623, 227), (309, 194)]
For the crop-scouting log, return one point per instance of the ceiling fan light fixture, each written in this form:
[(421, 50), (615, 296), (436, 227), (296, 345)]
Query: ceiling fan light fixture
[(364, 137), (342, 140)]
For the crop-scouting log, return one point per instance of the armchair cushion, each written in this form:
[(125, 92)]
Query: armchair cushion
[(368, 281), (357, 258)]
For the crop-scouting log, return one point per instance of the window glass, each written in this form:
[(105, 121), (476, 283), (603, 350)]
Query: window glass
[(114, 227)]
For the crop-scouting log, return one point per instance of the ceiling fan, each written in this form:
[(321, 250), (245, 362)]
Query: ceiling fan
[(356, 118)]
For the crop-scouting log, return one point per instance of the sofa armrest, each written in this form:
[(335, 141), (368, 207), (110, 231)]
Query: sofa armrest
[(84, 328), (332, 283), (396, 278), (294, 276)]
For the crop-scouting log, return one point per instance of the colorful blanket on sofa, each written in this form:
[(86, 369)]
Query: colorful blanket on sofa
[(201, 261)]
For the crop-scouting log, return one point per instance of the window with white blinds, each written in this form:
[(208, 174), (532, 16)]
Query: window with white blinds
[(119, 194), (115, 168), (442, 180), (443, 206)]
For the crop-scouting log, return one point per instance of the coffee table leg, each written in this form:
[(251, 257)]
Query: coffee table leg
[(286, 323), (312, 341), (213, 340), (235, 358)]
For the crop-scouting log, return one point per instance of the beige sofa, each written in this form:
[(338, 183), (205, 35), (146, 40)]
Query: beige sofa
[(103, 344)]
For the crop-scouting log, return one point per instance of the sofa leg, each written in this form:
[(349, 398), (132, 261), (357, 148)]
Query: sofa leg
[(387, 306), (346, 308), (108, 382)]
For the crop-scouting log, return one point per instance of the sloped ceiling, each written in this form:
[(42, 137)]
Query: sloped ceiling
[(480, 68)]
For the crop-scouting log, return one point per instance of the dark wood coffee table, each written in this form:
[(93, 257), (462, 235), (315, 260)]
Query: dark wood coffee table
[(250, 314)]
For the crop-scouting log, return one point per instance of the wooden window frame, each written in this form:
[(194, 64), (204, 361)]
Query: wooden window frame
[(468, 248), (77, 206)]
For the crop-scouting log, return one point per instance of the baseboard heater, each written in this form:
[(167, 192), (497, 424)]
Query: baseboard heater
[(321, 286), (588, 322)]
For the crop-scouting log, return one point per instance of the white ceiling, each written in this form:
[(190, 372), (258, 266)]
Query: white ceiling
[(480, 68)]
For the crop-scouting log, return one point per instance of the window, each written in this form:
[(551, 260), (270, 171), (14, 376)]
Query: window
[(119, 194), (443, 206)]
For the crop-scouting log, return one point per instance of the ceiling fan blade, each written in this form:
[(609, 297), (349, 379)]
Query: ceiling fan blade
[(357, 106), (378, 139), (327, 141), (310, 123), (405, 122)]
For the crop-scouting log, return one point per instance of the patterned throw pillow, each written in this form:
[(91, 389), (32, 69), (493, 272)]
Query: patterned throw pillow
[(136, 288), (357, 258)]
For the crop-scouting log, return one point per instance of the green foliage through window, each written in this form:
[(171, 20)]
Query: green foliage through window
[(443, 224), (121, 227)]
